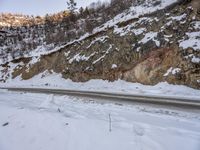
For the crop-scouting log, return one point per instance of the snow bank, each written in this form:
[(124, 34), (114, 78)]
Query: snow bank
[(46, 80)]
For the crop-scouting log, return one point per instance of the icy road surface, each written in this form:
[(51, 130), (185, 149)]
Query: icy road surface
[(48, 122)]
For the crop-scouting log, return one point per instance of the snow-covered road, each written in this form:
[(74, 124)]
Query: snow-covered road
[(48, 122)]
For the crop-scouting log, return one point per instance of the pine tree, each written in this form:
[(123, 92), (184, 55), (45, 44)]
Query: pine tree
[(81, 10), (71, 6), (86, 12), (88, 26)]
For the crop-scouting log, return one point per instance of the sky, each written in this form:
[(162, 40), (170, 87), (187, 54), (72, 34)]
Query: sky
[(38, 7)]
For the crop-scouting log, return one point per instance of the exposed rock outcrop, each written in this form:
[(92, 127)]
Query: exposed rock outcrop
[(159, 47)]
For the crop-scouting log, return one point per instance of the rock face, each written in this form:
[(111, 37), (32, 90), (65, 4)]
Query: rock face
[(163, 46), (151, 70), (196, 6)]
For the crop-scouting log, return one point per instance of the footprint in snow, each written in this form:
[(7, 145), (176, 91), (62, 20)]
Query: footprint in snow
[(138, 130)]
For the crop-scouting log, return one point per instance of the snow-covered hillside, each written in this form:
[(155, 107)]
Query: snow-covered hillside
[(147, 7)]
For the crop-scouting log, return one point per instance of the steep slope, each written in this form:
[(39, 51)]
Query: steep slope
[(149, 43)]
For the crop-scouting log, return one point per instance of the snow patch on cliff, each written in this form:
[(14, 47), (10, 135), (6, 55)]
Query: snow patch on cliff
[(193, 41)]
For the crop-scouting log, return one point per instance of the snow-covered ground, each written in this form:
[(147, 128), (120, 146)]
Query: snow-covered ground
[(48, 122), (55, 81)]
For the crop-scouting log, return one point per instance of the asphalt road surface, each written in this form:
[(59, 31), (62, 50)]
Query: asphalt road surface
[(120, 97)]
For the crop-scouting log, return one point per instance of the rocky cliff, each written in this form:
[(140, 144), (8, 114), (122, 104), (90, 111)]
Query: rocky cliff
[(149, 43)]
